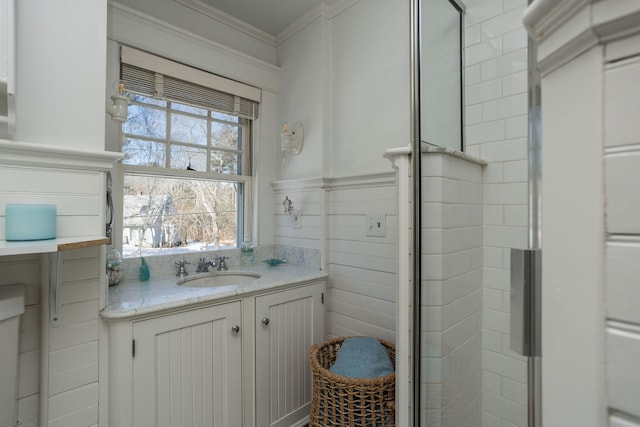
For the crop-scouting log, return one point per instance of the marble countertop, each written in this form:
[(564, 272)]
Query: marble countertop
[(133, 298)]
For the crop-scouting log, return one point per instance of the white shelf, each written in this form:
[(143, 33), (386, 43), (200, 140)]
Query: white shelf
[(52, 245)]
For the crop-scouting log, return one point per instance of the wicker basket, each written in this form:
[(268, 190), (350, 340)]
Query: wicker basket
[(349, 402)]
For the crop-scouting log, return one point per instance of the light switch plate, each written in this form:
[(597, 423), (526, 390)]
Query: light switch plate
[(376, 226)]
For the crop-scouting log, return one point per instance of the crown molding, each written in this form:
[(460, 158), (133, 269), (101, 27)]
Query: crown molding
[(568, 28), (229, 20), (322, 10), (137, 29)]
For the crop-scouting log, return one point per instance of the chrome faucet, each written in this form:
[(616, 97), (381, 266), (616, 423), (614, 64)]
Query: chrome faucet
[(222, 266), (182, 269), (203, 265)]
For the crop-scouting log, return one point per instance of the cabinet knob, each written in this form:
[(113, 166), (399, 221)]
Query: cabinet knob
[(235, 329), (265, 321)]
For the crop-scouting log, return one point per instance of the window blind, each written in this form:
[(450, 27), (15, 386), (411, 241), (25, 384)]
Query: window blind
[(153, 76)]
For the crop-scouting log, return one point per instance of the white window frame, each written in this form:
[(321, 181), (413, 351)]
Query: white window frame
[(243, 176)]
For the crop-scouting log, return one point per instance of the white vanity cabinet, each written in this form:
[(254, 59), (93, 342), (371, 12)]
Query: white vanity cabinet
[(287, 323), (236, 362), (187, 368)]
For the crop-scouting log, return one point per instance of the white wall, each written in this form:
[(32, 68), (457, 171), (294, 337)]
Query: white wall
[(496, 131), (176, 14), (61, 57), (369, 86), (304, 60), (347, 78)]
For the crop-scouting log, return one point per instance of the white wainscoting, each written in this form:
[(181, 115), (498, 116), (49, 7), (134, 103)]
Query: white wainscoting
[(361, 292)]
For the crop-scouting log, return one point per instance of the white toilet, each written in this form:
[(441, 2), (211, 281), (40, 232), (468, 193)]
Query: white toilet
[(11, 307)]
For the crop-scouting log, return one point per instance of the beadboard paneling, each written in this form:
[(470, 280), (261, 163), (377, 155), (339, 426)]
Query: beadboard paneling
[(362, 289), (76, 194), (25, 269)]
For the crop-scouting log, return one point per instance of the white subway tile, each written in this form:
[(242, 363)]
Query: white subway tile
[(623, 353), (461, 308), (461, 169), (514, 391), (492, 299), (472, 150), (482, 92), (433, 268), (483, 51), (622, 189), (460, 286), (462, 215), (492, 341), (515, 83), (516, 171), (493, 257), (622, 269), (510, 4), (431, 344), (487, 133), (517, 127), (431, 165), (493, 173), (473, 114), (495, 151), (462, 241), (505, 366), (457, 334), (431, 241), (513, 193), (432, 369), (432, 190), (432, 292), (496, 278), (490, 420), (481, 11), (516, 215), (506, 237), (509, 63), (514, 40), (472, 35), (501, 24), (494, 320), (505, 107), (472, 75), (432, 215)]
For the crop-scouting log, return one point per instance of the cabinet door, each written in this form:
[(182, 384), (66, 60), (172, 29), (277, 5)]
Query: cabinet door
[(287, 323), (187, 369)]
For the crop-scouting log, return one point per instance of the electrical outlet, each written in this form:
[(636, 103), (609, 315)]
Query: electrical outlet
[(376, 226)]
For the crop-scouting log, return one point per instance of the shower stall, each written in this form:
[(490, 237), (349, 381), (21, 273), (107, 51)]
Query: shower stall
[(468, 196)]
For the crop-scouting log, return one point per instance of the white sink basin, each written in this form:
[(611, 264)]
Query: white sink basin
[(220, 278)]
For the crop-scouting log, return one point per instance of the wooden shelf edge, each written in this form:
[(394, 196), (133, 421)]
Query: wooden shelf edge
[(49, 246), (83, 244)]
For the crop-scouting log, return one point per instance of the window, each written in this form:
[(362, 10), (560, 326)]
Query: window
[(187, 161)]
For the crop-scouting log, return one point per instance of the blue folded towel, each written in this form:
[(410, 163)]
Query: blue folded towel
[(362, 357)]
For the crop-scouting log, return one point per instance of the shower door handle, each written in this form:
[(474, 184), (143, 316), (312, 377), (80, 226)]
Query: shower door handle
[(525, 301)]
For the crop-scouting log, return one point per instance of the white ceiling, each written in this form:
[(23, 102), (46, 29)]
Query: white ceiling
[(270, 16)]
